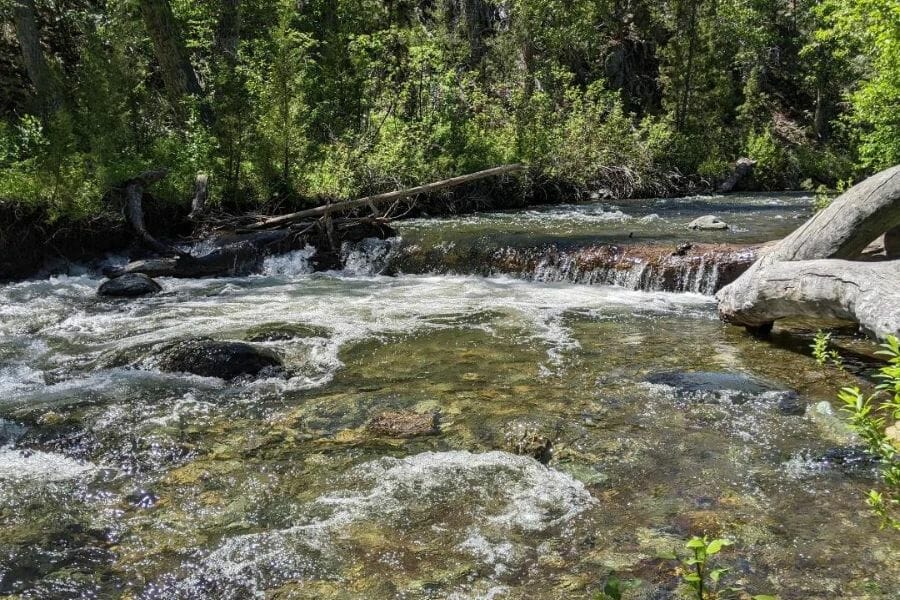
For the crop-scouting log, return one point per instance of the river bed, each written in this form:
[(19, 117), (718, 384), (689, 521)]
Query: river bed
[(579, 430)]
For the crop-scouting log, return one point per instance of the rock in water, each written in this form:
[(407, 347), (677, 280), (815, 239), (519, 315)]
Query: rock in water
[(708, 223), (210, 358), (129, 285), (403, 424)]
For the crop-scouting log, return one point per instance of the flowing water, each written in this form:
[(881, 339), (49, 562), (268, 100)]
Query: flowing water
[(581, 430)]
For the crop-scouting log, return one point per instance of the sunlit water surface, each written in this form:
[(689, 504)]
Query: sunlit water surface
[(118, 480)]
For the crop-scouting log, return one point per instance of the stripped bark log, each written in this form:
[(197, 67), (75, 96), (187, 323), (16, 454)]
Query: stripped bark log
[(327, 209), (799, 276)]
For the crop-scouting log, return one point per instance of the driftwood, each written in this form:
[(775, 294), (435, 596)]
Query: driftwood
[(372, 201), (811, 272)]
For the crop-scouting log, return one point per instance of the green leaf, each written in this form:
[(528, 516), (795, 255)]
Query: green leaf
[(716, 545), (716, 574), (695, 542), (764, 597), (692, 578), (667, 555), (613, 587)]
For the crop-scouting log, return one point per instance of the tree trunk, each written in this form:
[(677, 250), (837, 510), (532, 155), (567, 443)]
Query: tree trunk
[(178, 75), (228, 31), (799, 276), (45, 84)]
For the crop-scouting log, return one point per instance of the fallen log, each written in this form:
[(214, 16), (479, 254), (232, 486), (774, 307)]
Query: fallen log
[(372, 201), (812, 272)]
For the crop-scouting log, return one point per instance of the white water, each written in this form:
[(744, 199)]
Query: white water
[(68, 341), (479, 505)]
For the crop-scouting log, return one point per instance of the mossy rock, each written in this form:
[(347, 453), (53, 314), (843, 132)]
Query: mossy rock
[(279, 332)]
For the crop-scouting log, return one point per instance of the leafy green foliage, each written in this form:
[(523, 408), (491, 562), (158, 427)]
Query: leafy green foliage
[(614, 588), (823, 352), (701, 576), (876, 419), (330, 100)]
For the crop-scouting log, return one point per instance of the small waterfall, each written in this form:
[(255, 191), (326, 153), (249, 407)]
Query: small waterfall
[(368, 257), (700, 268)]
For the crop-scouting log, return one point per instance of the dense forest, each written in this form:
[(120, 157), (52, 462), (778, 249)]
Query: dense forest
[(287, 102)]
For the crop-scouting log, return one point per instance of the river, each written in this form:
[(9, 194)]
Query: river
[(652, 421)]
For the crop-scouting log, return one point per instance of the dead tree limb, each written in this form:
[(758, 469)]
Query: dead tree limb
[(134, 193), (799, 276), (326, 209), (201, 194)]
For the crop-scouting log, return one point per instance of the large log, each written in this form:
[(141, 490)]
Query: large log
[(868, 293), (808, 274), (328, 209)]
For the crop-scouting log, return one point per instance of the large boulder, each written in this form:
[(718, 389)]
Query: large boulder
[(211, 358), (708, 223), (129, 285)]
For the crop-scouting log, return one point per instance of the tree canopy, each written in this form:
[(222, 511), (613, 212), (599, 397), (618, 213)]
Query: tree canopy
[(295, 101)]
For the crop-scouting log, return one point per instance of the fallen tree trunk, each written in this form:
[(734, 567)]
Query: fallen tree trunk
[(801, 276), (328, 209), (868, 293)]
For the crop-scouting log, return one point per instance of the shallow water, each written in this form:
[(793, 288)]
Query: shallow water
[(118, 480)]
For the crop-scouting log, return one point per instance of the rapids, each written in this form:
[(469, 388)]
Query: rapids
[(120, 480)]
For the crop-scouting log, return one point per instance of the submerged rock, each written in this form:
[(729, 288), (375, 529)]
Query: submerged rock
[(792, 405), (709, 381), (129, 285), (847, 458), (708, 223), (211, 358), (277, 332), (404, 424)]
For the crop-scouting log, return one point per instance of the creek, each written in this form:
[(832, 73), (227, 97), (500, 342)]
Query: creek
[(652, 420)]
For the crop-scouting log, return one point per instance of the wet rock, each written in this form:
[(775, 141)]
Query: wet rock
[(277, 332), (736, 387), (790, 404), (847, 458), (129, 285), (211, 358), (708, 223), (533, 444), (404, 424)]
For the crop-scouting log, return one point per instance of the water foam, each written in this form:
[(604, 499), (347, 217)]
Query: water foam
[(34, 465), (495, 494)]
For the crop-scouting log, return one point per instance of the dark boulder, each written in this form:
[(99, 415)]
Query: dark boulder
[(129, 285), (211, 358)]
